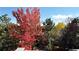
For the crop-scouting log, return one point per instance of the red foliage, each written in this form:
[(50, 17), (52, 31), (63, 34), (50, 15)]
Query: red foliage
[(29, 23)]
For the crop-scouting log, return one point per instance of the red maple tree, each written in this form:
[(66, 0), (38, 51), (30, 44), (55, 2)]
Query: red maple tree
[(29, 25)]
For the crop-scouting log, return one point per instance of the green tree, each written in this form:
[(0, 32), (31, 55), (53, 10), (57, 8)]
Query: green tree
[(7, 43), (48, 26)]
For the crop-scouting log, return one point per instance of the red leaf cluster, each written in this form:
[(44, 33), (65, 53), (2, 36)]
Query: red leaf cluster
[(29, 24)]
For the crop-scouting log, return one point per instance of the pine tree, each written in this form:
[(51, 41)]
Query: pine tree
[(48, 26), (7, 43)]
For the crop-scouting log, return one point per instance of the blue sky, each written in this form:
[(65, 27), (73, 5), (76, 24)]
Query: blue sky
[(58, 14)]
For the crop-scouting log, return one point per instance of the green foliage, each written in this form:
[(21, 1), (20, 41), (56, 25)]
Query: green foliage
[(7, 43), (4, 19), (48, 26)]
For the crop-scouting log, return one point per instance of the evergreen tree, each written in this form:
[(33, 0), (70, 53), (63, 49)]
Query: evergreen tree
[(48, 26), (7, 43)]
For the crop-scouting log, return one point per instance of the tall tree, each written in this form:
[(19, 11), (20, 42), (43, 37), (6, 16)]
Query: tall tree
[(70, 39), (30, 26), (48, 26)]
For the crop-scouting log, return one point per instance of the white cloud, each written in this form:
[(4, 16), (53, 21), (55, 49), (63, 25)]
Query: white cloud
[(61, 18)]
